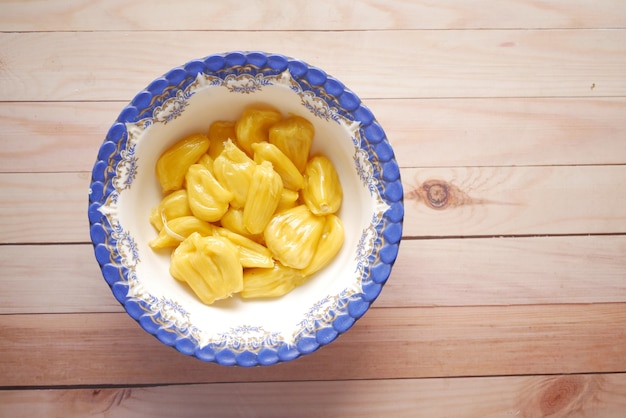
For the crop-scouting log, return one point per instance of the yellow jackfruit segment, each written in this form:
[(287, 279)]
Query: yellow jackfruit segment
[(322, 190), (264, 151), (208, 199), (293, 136), (329, 245), (173, 164), (251, 254), (265, 192), (254, 125), (207, 161), (219, 132), (246, 210), (209, 265), (293, 236), (174, 205), (177, 229), (234, 170), (270, 282), (288, 200), (233, 221)]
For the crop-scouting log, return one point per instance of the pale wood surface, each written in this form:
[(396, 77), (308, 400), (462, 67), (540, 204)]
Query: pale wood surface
[(491, 397), (438, 133), (55, 66), (72, 15), (483, 271), (508, 302), (387, 343)]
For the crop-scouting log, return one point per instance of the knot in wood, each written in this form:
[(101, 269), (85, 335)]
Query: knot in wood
[(437, 194), (561, 394)]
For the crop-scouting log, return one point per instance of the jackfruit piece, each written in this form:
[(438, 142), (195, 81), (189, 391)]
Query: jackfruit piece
[(292, 178), (207, 161), (293, 236), (209, 265), (174, 205), (176, 230), (233, 220), (329, 245), (293, 136), (219, 132), (322, 191), (251, 254), (234, 170), (270, 282), (208, 200), (172, 165), (263, 198), (288, 200), (254, 126)]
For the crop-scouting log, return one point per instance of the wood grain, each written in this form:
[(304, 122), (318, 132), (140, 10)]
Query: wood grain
[(483, 201), (65, 278), (497, 201), (577, 396), (447, 272), (305, 15), (44, 208), (53, 137), (110, 348), (507, 271), (424, 132), (523, 63), (503, 132)]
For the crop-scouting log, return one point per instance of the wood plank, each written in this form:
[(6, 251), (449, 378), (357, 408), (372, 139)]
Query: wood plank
[(502, 132), (598, 395), (53, 137), (500, 63), (507, 271), (74, 15), (37, 136), (514, 200), (44, 207), (65, 278), (482, 201), (100, 349), (448, 272)]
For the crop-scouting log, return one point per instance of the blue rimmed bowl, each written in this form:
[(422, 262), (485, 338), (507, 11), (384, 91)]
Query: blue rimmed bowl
[(124, 189)]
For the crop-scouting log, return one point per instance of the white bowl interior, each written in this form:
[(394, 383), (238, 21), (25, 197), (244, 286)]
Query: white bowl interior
[(279, 316)]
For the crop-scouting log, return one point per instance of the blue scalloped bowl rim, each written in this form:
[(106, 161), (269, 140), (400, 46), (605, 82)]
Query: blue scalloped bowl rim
[(373, 140)]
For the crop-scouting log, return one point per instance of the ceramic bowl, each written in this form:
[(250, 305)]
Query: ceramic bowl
[(124, 188)]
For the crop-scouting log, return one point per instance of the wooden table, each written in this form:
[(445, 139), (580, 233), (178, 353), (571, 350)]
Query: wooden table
[(507, 301)]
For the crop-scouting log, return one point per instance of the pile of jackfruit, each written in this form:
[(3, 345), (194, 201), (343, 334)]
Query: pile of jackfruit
[(246, 209)]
